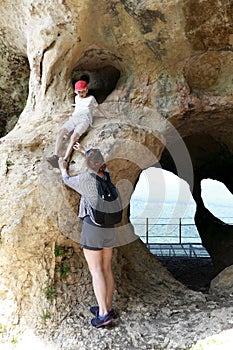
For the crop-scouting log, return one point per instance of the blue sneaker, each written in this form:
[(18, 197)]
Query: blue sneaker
[(95, 311), (100, 322)]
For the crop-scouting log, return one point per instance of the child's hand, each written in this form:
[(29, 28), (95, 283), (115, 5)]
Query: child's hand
[(78, 147), (104, 112), (106, 115)]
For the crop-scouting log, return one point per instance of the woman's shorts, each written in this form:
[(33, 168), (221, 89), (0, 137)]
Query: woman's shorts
[(79, 127), (95, 237)]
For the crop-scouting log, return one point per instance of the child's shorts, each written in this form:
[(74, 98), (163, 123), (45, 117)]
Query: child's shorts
[(79, 127), (95, 237)]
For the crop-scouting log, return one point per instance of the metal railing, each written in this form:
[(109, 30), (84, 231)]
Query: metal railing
[(166, 229), (170, 236)]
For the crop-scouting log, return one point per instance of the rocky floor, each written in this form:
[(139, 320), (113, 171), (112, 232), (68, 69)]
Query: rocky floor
[(141, 324), (178, 324)]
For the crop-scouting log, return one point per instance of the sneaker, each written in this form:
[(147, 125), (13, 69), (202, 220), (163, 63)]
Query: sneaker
[(95, 311), (97, 322), (53, 161)]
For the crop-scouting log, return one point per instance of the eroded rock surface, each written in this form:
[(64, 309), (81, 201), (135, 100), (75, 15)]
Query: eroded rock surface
[(164, 71)]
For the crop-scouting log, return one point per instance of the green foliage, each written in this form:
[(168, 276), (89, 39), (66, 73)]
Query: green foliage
[(46, 315), (63, 270), (50, 292), (9, 163), (58, 251), (2, 328), (14, 340), (163, 283)]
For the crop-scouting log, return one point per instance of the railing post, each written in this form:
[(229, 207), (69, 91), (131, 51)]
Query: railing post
[(147, 231), (180, 237)]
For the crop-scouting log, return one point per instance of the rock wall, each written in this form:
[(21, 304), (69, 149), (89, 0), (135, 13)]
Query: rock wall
[(165, 74)]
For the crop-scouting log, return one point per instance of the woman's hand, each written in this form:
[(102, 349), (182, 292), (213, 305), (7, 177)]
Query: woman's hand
[(63, 165)]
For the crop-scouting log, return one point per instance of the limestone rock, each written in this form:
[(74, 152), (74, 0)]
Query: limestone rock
[(222, 284), (164, 71)]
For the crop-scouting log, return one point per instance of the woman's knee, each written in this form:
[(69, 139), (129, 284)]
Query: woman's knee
[(96, 270), (107, 269), (107, 259)]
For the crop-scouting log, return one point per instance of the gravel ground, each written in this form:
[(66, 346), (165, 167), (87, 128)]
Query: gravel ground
[(145, 323), (141, 324)]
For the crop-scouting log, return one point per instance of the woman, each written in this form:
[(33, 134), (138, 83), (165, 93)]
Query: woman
[(97, 242)]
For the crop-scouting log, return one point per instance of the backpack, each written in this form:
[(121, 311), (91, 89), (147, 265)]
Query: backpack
[(108, 211)]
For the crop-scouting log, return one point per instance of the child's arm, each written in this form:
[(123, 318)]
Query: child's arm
[(103, 112)]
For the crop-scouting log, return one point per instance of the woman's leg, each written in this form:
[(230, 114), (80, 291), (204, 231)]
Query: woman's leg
[(108, 275), (94, 259)]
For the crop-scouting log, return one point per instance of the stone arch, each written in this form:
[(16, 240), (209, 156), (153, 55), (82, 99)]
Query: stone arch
[(210, 153)]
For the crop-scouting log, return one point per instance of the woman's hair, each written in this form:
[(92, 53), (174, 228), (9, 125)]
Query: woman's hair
[(95, 160)]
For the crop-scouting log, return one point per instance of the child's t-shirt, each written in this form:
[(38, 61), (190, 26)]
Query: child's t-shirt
[(84, 107), (85, 104)]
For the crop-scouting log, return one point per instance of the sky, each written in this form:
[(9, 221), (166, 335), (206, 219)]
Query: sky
[(157, 184), (163, 186)]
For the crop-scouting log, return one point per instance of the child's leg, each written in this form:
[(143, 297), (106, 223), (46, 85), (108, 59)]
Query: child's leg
[(53, 160), (78, 132), (61, 138), (75, 136)]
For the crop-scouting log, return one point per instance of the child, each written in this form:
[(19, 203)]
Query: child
[(78, 123)]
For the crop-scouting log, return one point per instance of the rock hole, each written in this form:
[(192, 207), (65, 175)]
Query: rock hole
[(162, 212), (14, 77), (217, 199), (101, 82), (101, 70)]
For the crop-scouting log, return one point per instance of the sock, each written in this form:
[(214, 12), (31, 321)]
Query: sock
[(102, 317)]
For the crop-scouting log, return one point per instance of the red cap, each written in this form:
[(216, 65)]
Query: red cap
[(80, 85)]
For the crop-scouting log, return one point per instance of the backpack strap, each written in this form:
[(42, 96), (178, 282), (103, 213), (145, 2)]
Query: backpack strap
[(106, 173), (99, 178)]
